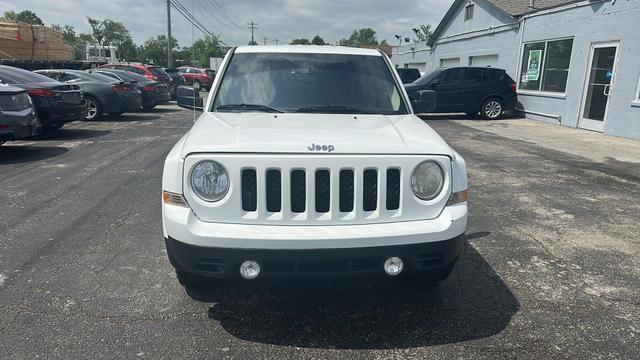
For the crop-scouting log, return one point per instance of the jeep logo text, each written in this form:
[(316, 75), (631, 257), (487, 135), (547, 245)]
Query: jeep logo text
[(318, 147)]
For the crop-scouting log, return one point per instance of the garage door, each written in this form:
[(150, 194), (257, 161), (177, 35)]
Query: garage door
[(484, 60), (450, 62)]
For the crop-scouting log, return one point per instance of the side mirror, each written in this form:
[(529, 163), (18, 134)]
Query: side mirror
[(189, 98), (425, 101)]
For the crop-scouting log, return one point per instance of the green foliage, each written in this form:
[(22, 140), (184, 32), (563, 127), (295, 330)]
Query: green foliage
[(203, 49), (300, 41), (364, 36), (154, 50), (26, 16), (425, 32), (317, 40)]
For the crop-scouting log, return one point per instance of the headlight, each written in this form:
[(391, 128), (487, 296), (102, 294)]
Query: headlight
[(209, 180), (427, 180)]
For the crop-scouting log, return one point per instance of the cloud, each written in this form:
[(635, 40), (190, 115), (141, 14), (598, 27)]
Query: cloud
[(277, 19)]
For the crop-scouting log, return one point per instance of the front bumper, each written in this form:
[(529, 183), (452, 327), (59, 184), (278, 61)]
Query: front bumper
[(215, 249)]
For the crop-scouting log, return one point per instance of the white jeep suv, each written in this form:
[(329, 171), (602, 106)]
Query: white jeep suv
[(309, 160)]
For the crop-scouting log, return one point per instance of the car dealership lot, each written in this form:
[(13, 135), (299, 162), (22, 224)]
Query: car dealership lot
[(550, 269)]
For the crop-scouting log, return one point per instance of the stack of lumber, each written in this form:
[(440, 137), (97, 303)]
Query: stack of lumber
[(21, 41)]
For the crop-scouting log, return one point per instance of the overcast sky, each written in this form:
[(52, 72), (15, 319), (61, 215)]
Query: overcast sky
[(277, 19)]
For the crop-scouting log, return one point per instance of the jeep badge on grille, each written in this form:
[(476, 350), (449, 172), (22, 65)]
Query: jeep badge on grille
[(318, 147)]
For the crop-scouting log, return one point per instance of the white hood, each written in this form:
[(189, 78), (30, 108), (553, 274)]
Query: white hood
[(295, 134)]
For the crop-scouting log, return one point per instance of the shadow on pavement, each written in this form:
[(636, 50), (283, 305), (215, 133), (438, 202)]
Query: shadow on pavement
[(161, 111), (365, 313), (70, 134), (21, 154), (129, 117)]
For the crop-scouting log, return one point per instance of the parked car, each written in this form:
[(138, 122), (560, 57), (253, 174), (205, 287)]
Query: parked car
[(489, 91), (198, 77), (103, 94), (153, 92), (56, 103), (329, 172), (178, 80), (18, 117), (151, 72), (408, 75)]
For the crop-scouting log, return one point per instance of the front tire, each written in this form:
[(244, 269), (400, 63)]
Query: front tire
[(148, 107), (492, 109), (94, 109)]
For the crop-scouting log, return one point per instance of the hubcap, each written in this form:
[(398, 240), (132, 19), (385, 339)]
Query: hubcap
[(196, 85), (93, 109), (493, 109)]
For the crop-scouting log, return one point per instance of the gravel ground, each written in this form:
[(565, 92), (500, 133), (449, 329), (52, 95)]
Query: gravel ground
[(550, 269)]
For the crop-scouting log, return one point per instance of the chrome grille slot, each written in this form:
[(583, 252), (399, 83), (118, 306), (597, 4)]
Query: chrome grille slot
[(323, 191), (370, 190), (346, 190), (393, 189), (249, 190), (274, 191), (298, 191)]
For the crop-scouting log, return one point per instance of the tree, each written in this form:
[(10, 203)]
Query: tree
[(300, 41), (364, 36), (154, 50), (317, 40), (26, 16), (205, 48), (424, 33), (113, 33)]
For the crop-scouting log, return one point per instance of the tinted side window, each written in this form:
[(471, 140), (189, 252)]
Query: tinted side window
[(450, 77), (472, 76)]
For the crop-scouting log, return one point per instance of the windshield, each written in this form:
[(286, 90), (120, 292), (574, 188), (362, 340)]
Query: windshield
[(309, 83), (424, 80)]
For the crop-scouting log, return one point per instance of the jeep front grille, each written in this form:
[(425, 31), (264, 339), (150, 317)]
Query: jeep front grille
[(301, 189), (322, 192)]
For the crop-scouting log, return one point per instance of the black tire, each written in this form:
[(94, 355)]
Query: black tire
[(492, 109), (197, 85), (191, 281), (95, 108), (148, 107), (52, 127)]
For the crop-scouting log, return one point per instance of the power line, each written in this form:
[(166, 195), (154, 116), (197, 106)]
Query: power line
[(194, 21), (225, 15), (252, 26)]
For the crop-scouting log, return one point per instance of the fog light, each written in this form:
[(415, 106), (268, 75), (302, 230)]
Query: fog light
[(393, 266), (249, 269)]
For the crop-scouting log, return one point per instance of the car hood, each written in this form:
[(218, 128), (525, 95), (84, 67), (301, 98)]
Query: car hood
[(295, 134)]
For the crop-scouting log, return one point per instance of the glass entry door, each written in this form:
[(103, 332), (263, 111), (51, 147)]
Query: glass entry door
[(597, 91)]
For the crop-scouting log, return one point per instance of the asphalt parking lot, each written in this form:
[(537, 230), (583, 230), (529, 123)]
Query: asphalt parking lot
[(550, 269)]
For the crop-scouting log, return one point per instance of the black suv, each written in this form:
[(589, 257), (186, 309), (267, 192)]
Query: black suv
[(489, 91), (408, 75)]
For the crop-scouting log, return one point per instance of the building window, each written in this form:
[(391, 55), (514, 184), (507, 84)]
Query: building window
[(545, 65), (468, 11)]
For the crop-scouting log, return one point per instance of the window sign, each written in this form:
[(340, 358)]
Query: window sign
[(533, 66)]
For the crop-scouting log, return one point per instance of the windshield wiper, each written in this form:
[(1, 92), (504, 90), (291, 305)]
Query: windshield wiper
[(339, 109), (251, 107)]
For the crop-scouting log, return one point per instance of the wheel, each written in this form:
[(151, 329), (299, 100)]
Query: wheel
[(492, 109), (94, 108), (197, 85), (148, 107), (191, 281)]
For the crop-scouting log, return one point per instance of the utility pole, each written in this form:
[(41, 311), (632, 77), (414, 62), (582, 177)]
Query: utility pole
[(252, 26), (264, 40), (277, 41), (169, 47)]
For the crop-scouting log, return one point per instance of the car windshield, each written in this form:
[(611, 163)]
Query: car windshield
[(11, 75), (317, 83), (424, 80)]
